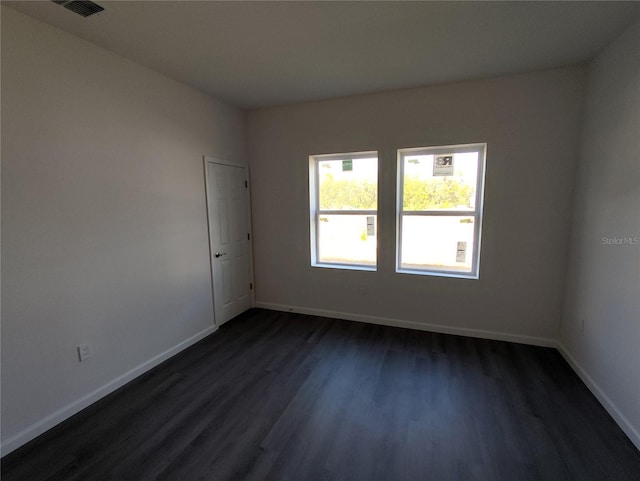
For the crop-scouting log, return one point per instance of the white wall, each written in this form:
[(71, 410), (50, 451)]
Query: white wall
[(104, 234), (603, 286), (531, 124)]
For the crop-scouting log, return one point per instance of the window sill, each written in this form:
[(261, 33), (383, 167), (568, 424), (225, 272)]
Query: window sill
[(345, 267), (455, 275)]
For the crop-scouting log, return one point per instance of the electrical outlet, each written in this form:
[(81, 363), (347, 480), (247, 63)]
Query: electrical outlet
[(84, 352)]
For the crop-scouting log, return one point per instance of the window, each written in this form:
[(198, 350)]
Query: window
[(343, 192), (440, 192)]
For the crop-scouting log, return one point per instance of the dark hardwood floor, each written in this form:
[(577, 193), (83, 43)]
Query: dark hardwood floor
[(278, 396)]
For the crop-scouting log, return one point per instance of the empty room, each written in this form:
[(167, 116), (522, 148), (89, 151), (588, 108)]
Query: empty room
[(346, 241)]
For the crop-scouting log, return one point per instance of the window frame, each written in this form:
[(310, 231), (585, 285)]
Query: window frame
[(476, 213), (315, 212)]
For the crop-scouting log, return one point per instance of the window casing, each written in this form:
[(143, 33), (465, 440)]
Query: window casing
[(343, 198), (439, 210)]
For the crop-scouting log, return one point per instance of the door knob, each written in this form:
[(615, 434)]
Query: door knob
[(220, 255)]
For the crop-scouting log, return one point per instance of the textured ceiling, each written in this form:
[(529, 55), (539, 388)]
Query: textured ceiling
[(256, 54)]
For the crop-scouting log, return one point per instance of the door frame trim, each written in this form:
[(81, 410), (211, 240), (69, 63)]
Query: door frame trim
[(206, 160)]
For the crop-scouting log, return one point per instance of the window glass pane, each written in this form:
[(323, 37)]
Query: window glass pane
[(349, 184), (437, 243), (440, 182), (347, 239)]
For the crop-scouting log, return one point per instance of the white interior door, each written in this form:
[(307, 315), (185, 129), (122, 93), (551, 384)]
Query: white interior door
[(230, 239)]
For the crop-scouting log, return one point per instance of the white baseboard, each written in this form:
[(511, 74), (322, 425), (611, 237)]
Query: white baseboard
[(66, 412), (628, 428), (385, 321)]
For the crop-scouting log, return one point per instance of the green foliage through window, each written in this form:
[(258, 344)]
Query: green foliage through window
[(347, 194), (419, 194), (446, 193)]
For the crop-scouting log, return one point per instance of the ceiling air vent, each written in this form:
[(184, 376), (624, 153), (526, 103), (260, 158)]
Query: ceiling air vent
[(81, 7)]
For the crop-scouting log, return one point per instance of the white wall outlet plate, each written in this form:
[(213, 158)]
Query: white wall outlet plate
[(84, 352)]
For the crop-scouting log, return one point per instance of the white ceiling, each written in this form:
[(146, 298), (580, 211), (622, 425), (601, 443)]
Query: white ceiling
[(256, 54)]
